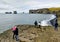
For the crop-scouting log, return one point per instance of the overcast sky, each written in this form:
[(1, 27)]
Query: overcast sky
[(25, 5)]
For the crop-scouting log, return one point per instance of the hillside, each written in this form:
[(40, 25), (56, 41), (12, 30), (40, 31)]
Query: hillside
[(46, 11), (54, 9)]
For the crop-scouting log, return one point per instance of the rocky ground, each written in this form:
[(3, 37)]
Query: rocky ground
[(30, 33)]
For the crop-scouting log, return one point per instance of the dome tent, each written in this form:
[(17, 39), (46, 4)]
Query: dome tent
[(47, 22)]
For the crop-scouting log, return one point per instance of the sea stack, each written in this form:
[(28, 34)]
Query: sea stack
[(15, 12)]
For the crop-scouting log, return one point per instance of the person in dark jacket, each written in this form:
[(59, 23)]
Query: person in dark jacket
[(15, 32), (54, 23), (35, 23), (39, 24)]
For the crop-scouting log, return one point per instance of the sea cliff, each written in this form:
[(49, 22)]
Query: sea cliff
[(46, 11)]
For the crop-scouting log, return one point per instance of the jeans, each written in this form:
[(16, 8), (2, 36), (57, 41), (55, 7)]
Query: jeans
[(16, 36)]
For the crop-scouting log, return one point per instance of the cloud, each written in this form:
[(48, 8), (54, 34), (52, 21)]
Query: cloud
[(25, 5), (38, 4)]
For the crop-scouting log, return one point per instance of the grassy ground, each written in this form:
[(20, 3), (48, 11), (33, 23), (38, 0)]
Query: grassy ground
[(30, 33), (54, 9)]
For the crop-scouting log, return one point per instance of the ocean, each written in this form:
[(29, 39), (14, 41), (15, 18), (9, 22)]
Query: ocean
[(7, 21)]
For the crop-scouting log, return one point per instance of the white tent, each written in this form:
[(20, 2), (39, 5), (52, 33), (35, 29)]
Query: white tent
[(47, 22)]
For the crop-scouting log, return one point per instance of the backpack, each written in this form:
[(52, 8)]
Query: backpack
[(14, 28)]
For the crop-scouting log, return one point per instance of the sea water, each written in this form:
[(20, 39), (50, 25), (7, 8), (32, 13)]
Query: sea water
[(7, 21)]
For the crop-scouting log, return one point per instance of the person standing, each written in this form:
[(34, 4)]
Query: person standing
[(15, 32), (56, 25), (39, 24), (35, 23), (54, 22)]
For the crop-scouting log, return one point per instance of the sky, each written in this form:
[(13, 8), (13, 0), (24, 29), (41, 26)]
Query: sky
[(26, 5)]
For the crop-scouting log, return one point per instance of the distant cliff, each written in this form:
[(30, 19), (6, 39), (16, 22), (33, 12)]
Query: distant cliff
[(46, 11)]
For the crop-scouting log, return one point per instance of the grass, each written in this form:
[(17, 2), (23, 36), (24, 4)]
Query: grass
[(54, 9)]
